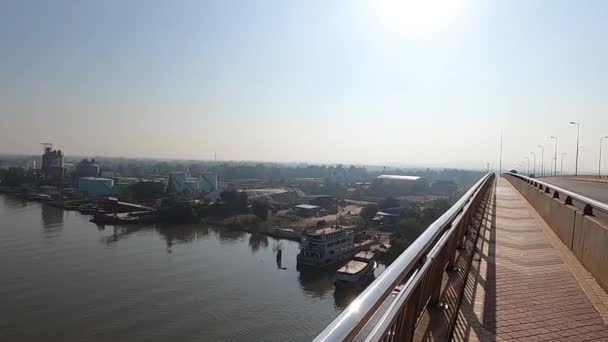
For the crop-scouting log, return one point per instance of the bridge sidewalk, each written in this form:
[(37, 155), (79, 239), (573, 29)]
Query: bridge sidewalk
[(525, 285)]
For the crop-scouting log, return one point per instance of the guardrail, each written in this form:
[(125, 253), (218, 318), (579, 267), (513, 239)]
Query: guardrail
[(419, 269), (569, 197)]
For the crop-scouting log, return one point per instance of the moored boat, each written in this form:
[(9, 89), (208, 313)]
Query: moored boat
[(358, 271), (326, 247)]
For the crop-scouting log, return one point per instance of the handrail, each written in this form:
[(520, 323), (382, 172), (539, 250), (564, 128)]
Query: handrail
[(589, 203), (352, 320)]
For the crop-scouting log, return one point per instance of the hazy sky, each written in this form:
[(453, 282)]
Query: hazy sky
[(379, 81)]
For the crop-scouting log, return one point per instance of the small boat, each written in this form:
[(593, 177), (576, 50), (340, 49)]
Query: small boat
[(358, 271), (88, 209)]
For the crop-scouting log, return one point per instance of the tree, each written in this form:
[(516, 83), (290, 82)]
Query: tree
[(433, 211), (179, 212), (389, 202), (260, 209), (13, 177), (236, 201), (171, 187), (147, 190), (368, 213), (410, 229)]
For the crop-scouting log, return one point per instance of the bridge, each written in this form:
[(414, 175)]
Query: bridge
[(515, 259)]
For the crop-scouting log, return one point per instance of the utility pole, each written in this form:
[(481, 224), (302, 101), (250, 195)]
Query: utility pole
[(555, 157), (578, 133), (542, 159), (500, 162), (534, 167)]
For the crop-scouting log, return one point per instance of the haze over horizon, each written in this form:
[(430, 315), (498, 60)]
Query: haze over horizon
[(365, 82)]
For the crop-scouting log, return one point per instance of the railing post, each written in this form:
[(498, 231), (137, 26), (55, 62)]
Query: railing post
[(407, 325), (439, 266)]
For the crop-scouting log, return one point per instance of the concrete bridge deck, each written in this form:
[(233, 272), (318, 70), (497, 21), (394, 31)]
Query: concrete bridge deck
[(525, 285)]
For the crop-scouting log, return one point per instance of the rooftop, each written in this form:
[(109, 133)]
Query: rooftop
[(365, 255), (100, 179), (306, 206), (322, 231), (399, 177), (353, 267)]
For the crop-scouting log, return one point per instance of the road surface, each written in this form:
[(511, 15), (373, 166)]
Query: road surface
[(595, 190)]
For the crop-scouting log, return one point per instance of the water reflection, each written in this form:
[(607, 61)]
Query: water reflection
[(256, 241), (122, 232), (229, 235), (14, 202), (316, 282), (186, 233), (343, 296), (52, 217)]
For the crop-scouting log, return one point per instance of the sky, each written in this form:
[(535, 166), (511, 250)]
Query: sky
[(411, 82)]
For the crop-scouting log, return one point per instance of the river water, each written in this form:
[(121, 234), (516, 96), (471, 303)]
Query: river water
[(63, 278)]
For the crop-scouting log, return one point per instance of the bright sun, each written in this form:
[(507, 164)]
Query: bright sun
[(417, 17)]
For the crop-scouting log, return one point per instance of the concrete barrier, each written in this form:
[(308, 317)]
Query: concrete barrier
[(584, 235), (591, 249)]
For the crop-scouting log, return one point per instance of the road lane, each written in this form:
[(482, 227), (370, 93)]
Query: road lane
[(595, 190)]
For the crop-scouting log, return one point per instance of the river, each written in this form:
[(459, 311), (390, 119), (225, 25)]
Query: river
[(65, 279)]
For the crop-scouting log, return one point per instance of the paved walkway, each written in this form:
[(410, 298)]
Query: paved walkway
[(525, 285)]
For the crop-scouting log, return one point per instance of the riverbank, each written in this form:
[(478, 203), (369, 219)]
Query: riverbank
[(252, 224)]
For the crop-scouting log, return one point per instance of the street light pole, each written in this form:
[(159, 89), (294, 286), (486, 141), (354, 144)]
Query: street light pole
[(534, 167), (578, 133), (561, 171), (555, 157), (528, 170), (599, 168), (542, 159)]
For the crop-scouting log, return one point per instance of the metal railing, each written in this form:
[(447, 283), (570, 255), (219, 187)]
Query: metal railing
[(569, 197), (418, 271)]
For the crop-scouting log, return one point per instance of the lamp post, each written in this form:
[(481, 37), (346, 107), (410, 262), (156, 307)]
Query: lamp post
[(542, 159), (528, 170), (555, 157), (599, 168), (578, 133), (534, 165), (561, 170)]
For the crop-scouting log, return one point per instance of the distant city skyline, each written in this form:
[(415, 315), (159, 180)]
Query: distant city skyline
[(385, 82)]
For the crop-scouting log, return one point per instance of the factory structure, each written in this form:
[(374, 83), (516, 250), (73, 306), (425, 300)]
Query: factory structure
[(87, 168), (53, 166), (88, 178), (174, 182)]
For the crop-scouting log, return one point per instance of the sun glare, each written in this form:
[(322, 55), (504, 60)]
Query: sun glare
[(417, 17)]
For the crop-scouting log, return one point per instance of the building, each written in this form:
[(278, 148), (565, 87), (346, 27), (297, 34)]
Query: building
[(273, 196), (52, 163), (389, 217), (207, 182), (324, 201), (180, 182), (444, 187), (108, 174), (94, 186), (306, 210), (87, 168)]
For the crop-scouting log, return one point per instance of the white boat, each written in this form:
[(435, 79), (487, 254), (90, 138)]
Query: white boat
[(357, 271), (326, 247)]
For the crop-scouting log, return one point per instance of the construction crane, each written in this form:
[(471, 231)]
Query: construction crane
[(47, 145)]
